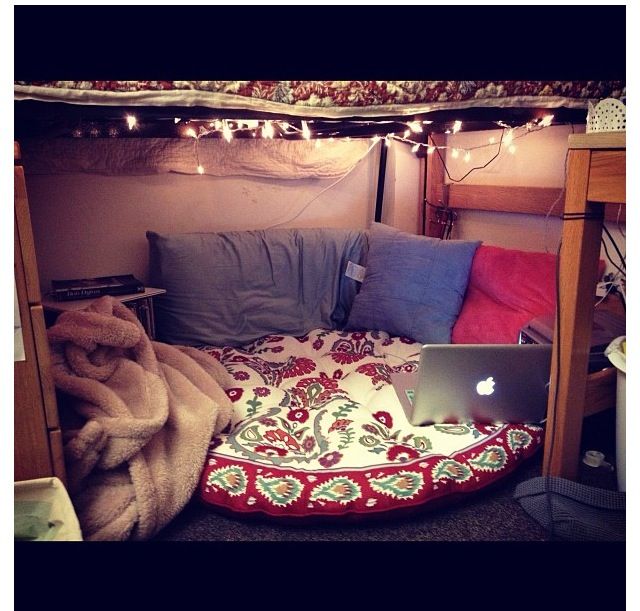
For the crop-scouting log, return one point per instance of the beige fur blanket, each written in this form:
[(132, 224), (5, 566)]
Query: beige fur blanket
[(139, 420)]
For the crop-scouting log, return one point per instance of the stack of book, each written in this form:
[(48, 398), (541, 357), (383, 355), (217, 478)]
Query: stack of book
[(86, 288)]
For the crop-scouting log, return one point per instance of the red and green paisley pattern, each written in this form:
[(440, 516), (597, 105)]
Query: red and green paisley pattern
[(318, 430), (348, 94)]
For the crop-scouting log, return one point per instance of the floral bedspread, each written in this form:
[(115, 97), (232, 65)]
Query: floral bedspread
[(326, 98), (319, 430)]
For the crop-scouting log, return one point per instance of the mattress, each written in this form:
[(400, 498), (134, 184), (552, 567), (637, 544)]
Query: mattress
[(318, 431), (331, 99)]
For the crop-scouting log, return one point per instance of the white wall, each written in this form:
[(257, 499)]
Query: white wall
[(403, 189), (89, 225), (538, 161)]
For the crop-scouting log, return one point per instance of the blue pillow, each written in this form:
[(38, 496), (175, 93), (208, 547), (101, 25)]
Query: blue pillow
[(413, 286), (230, 288)]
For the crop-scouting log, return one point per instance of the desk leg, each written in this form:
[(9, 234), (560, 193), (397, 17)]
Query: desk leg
[(578, 277)]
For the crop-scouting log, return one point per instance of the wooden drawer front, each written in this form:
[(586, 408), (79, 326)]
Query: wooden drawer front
[(44, 366), (607, 177), (31, 453)]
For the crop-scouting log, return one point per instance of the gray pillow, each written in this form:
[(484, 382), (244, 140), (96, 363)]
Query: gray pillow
[(233, 287), (414, 285)]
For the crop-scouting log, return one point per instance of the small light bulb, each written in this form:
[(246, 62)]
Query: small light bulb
[(267, 130), (176, 120), (415, 148), (456, 126), (375, 139), (508, 138), (227, 134), (306, 132), (467, 157), (430, 150), (387, 141), (200, 170), (191, 133), (217, 124), (415, 126), (455, 153), (131, 121), (546, 120), (407, 133), (512, 149)]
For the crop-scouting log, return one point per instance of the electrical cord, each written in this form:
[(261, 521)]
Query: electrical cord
[(315, 197), (622, 259), (622, 233), (606, 252), (451, 216), (480, 167), (555, 391), (560, 196)]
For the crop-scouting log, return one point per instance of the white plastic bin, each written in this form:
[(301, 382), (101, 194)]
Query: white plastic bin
[(47, 495), (617, 353)]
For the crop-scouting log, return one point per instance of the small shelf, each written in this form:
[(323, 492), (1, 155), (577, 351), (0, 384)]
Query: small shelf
[(140, 303), (80, 304)]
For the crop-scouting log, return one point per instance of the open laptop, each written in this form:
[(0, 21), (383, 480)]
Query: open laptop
[(478, 382)]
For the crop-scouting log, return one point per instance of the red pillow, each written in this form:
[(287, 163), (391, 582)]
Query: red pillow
[(507, 288)]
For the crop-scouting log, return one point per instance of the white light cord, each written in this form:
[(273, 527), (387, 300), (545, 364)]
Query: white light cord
[(315, 197), (555, 203)]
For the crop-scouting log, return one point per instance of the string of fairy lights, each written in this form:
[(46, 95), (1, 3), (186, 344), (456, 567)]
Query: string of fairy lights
[(269, 129)]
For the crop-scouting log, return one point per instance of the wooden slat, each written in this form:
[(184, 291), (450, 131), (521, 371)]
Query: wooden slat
[(578, 277), (598, 140), (607, 177), (523, 200), (601, 391), (44, 365), (25, 233), (526, 200)]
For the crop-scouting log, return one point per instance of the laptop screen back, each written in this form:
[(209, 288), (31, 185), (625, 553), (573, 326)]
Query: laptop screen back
[(482, 383)]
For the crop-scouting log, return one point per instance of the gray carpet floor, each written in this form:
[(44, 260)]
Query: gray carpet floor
[(489, 515)]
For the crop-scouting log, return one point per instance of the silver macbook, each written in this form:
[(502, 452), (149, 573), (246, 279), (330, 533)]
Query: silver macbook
[(479, 382)]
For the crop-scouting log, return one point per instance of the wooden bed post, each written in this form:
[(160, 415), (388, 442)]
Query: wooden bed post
[(435, 186)]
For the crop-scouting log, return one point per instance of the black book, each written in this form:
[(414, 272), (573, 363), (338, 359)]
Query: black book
[(85, 288)]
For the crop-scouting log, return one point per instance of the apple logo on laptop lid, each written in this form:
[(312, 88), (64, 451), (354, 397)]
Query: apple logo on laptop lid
[(486, 387)]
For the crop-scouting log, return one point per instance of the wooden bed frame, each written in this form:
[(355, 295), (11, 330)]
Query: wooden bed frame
[(596, 174)]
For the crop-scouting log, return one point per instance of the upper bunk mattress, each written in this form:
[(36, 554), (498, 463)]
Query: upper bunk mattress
[(331, 99)]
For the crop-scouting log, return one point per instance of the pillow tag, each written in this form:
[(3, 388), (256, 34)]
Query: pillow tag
[(355, 271)]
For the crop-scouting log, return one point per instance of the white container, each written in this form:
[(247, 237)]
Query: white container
[(617, 353), (51, 490)]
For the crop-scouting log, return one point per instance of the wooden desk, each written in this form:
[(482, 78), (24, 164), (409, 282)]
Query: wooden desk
[(596, 177)]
